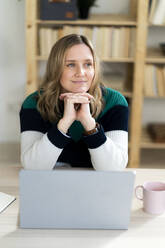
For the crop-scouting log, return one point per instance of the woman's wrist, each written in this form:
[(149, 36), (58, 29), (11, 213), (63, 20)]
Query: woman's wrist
[(64, 125), (92, 131), (89, 124)]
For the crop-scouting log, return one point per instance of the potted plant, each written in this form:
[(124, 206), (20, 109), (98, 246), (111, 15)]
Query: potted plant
[(84, 6)]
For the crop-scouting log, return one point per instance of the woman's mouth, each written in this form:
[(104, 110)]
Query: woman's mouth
[(79, 82)]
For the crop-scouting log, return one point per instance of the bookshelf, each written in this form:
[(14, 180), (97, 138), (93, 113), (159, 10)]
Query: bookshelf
[(155, 60), (137, 20)]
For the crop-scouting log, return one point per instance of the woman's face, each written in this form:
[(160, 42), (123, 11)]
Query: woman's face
[(78, 70)]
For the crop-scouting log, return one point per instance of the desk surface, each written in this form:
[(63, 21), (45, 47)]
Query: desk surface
[(144, 230)]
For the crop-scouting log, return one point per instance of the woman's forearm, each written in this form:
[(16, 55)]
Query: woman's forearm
[(113, 153), (39, 154), (41, 151)]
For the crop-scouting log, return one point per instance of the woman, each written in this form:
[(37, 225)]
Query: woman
[(73, 120)]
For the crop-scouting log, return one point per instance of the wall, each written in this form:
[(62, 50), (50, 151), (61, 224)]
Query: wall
[(12, 64), (12, 67)]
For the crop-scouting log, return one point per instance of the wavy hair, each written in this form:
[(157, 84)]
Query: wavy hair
[(48, 104)]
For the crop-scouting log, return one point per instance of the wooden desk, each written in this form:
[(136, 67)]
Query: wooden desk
[(144, 230)]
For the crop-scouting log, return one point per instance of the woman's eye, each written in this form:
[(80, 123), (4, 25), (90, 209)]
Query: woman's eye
[(88, 64), (70, 65)]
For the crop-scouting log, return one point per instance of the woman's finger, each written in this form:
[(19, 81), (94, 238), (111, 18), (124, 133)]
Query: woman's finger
[(63, 95), (87, 95), (77, 99)]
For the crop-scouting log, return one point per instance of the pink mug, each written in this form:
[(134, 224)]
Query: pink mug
[(153, 197)]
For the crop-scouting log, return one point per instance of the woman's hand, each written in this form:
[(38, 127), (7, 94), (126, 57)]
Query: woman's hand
[(76, 107)]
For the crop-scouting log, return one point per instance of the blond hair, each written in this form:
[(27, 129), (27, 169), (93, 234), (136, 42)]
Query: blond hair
[(49, 105)]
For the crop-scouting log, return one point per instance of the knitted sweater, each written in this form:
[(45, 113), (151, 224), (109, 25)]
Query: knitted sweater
[(43, 145)]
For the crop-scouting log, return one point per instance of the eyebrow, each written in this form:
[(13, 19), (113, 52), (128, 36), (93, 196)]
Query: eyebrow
[(73, 60)]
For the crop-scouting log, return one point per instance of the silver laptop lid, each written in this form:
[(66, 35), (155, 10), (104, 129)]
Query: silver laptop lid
[(83, 199)]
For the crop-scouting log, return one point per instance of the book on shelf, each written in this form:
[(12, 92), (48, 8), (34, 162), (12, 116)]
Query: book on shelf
[(99, 43), (42, 49), (47, 38), (157, 12), (160, 81), (154, 81), (122, 45), (131, 52), (163, 84), (115, 43), (127, 41), (122, 41), (149, 81), (88, 32), (105, 43)]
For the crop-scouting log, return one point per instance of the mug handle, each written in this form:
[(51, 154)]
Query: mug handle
[(136, 194)]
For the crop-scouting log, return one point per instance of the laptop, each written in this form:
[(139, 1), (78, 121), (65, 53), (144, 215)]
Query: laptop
[(75, 199)]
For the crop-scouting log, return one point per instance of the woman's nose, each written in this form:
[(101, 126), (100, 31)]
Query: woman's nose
[(80, 70)]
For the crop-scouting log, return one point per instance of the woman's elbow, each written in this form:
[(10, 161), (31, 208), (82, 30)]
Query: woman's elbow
[(25, 164), (114, 164)]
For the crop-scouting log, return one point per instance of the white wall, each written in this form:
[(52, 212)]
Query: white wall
[(12, 67), (12, 64), (111, 6)]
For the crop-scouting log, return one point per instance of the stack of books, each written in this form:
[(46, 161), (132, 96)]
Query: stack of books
[(47, 38), (154, 81), (109, 42)]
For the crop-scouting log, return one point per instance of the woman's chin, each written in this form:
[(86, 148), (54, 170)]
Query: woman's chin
[(76, 90), (80, 90)]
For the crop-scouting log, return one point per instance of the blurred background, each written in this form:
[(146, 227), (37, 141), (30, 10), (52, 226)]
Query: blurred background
[(13, 77)]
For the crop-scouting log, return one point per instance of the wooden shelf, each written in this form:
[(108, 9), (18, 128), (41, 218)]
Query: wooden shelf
[(119, 60), (147, 142), (138, 21), (155, 55), (150, 25), (155, 97), (99, 20)]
